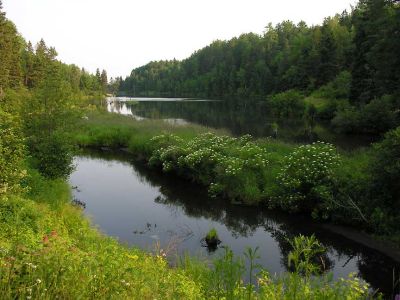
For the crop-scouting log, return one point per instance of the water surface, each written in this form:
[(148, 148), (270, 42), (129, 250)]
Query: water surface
[(143, 207), (237, 116)]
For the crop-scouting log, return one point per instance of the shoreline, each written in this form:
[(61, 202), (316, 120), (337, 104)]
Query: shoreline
[(385, 247)]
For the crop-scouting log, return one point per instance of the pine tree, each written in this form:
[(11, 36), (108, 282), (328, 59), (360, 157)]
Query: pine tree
[(103, 80), (10, 46)]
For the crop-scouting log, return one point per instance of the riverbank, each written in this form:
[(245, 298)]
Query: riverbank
[(152, 206), (49, 250), (386, 247), (316, 179)]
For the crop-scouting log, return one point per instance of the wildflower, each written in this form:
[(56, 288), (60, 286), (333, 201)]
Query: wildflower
[(38, 281), (134, 257)]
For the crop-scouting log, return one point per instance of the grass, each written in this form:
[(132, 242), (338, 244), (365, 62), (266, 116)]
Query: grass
[(104, 129), (49, 250), (49, 254)]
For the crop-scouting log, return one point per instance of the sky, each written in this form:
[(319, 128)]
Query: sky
[(120, 35)]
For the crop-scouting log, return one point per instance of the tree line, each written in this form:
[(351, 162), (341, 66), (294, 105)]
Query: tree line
[(41, 100), (25, 65), (352, 56)]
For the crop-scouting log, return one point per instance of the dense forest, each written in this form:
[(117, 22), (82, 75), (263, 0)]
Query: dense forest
[(345, 69)]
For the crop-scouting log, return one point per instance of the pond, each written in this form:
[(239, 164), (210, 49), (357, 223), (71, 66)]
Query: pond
[(144, 207), (236, 115)]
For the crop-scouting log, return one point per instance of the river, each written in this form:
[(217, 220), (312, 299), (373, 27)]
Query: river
[(144, 207)]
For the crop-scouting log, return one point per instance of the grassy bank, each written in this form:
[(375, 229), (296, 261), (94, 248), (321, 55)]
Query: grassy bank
[(318, 179), (48, 250)]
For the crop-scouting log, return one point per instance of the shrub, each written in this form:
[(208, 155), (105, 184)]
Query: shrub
[(347, 120), (339, 88), (385, 187), (12, 153), (376, 117), (289, 103), (53, 155), (236, 168), (306, 179), (352, 181)]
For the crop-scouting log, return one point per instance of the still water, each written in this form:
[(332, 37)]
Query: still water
[(143, 207), (237, 116)]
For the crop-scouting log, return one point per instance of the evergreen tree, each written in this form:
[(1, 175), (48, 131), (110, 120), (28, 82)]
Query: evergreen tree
[(104, 80)]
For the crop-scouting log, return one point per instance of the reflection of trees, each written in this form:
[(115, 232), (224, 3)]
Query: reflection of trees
[(244, 221), (242, 117)]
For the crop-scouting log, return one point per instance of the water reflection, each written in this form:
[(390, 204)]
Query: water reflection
[(122, 108), (141, 206), (238, 116)]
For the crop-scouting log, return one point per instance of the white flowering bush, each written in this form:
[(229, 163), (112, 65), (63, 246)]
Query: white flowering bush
[(306, 179), (228, 166)]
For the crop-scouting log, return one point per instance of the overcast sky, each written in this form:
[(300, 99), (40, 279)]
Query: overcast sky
[(118, 35)]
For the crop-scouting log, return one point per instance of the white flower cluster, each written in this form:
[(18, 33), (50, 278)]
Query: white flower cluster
[(223, 159), (307, 167)]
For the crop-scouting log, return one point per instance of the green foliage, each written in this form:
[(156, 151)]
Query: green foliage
[(351, 183), (384, 168), (294, 286), (54, 192), (212, 234), (339, 88), (331, 97), (306, 179), (49, 116), (53, 156), (12, 153), (106, 136), (227, 276), (287, 56), (44, 252), (237, 168), (287, 104), (305, 254), (375, 117), (351, 56), (252, 255), (11, 43), (312, 179), (376, 44), (44, 249), (123, 132)]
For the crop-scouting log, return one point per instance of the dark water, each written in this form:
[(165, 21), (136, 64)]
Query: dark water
[(141, 207), (238, 116)]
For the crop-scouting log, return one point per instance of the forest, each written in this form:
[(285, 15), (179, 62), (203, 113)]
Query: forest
[(344, 70)]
